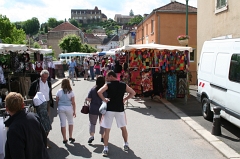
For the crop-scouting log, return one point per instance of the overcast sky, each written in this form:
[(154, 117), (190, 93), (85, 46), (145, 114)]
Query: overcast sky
[(22, 10)]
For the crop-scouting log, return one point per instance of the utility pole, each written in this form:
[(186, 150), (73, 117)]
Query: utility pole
[(186, 17)]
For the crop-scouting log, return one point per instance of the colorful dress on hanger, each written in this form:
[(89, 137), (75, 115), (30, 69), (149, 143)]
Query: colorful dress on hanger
[(147, 81), (172, 88), (135, 82)]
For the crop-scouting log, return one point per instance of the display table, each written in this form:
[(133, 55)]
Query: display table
[(59, 71)]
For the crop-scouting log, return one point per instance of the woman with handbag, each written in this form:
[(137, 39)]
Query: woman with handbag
[(65, 101), (95, 103)]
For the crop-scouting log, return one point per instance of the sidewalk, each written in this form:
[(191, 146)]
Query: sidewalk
[(213, 140)]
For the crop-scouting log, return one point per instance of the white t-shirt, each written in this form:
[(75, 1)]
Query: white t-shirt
[(44, 89), (91, 62)]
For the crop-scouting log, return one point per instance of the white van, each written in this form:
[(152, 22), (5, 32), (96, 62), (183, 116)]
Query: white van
[(66, 57), (219, 79)]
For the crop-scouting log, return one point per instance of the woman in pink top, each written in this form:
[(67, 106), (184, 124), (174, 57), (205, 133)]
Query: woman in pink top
[(97, 69)]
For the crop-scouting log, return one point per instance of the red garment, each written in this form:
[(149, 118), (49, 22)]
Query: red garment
[(147, 81), (103, 63), (39, 67)]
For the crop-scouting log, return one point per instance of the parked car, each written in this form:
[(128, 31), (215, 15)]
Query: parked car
[(219, 79)]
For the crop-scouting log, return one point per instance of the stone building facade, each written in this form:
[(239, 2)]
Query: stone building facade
[(57, 33), (88, 15)]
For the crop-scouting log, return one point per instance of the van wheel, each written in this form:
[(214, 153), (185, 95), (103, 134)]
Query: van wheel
[(206, 111)]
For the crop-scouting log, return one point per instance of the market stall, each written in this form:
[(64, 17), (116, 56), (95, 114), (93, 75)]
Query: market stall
[(19, 68), (156, 70)]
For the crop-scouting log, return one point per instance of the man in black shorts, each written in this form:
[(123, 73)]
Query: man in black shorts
[(115, 107)]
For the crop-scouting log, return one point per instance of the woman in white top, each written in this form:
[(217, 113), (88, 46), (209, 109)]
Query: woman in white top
[(66, 109)]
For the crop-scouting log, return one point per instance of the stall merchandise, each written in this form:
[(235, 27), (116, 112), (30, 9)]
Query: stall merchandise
[(163, 69), (18, 70)]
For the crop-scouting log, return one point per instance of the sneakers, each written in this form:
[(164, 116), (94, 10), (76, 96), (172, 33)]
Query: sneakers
[(105, 153), (90, 140), (125, 147)]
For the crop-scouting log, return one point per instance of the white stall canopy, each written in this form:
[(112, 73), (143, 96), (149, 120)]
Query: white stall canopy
[(41, 51), (155, 46), (12, 47)]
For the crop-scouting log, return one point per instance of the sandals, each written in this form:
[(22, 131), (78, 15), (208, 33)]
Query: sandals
[(65, 141), (71, 139)]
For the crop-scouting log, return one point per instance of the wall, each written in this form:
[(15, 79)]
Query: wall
[(167, 27), (211, 25), (55, 37)]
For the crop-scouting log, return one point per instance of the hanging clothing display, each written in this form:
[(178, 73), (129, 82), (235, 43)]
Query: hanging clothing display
[(39, 66), (157, 83), (2, 78), (171, 86), (181, 84), (147, 81), (135, 82), (25, 83)]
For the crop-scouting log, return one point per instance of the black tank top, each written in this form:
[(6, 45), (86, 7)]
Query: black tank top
[(115, 93)]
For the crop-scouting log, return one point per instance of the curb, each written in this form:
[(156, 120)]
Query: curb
[(213, 140)]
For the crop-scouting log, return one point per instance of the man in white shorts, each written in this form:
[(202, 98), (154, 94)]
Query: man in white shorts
[(115, 107)]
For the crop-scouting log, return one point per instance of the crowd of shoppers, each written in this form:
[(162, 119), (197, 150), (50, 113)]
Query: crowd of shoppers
[(107, 83)]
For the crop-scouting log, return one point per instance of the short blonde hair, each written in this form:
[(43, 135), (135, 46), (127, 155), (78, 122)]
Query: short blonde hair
[(14, 102)]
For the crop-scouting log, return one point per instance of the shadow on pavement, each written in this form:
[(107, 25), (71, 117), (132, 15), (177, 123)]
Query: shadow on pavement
[(56, 152), (76, 149), (152, 108), (115, 152)]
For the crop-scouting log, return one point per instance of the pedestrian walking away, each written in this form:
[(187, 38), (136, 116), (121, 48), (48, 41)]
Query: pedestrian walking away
[(95, 103), (91, 64), (26, 138), (85, 67), (65, 101), (71, 69), (115, 107)]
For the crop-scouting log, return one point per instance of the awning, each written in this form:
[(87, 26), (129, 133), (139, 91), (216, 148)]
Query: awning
[(155, 46), (12, 47), (41, 51)]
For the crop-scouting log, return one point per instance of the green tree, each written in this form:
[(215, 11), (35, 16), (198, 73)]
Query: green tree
[(31, 26), (46, 29), (36, 45), (52, 22), (70, 43), (89, 31), (131, 13), (136, 20), (9, 33), (75, 23)]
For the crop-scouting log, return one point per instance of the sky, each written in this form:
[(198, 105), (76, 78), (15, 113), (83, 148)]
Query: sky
[(22, 10)]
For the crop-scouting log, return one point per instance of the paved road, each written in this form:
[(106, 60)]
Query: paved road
[(153, 133), (230, 133)]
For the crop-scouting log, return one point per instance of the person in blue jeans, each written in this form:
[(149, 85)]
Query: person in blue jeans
[(71, 69), (91, 64)]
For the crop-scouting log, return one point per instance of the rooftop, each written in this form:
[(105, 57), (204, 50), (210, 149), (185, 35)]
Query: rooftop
[(65, 26)]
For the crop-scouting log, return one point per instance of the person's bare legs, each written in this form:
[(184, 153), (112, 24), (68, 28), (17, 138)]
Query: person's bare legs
[(106, 136), (63, 130), (70, 129), (124, 134)]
